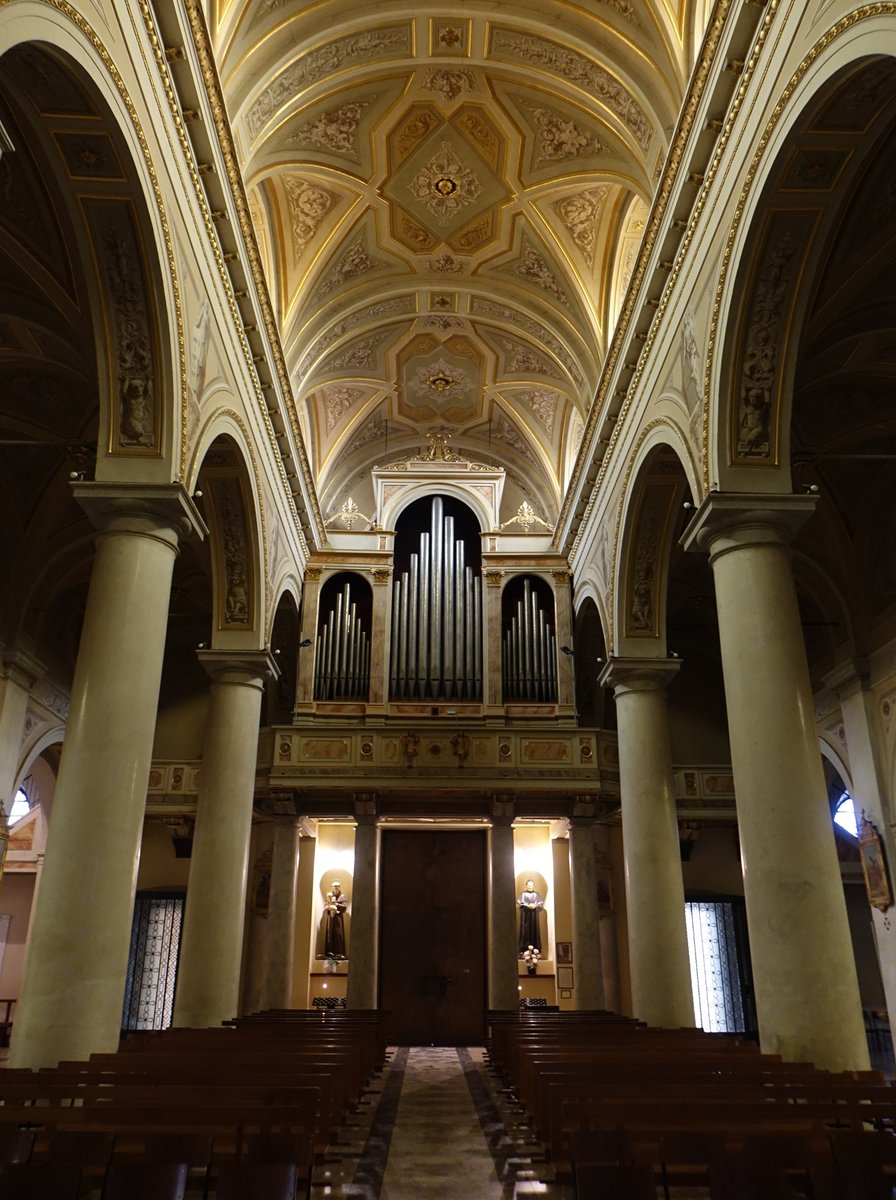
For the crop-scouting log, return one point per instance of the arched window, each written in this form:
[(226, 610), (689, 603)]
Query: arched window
[(845, 814)]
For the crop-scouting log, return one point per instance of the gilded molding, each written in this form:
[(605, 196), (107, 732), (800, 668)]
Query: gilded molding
[(655, 221), (837, 30), (225, 139), (259, 491)]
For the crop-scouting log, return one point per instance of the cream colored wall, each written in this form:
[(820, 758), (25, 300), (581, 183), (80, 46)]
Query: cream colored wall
[(622, 957), (16, 894), (714, 864), (159, 868), (183, 707)]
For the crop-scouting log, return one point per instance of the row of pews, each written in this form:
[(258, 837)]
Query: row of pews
[(237, 1111), (632, 1112)]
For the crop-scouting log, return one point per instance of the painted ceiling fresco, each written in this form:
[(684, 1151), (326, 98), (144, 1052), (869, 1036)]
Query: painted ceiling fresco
[(449, 201)]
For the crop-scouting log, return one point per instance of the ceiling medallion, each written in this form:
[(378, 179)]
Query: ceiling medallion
[(445, 185)]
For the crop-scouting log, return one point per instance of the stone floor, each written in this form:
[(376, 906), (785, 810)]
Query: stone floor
[(436, 1124)]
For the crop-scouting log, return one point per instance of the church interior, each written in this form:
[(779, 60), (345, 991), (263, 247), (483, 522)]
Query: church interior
[(438, 447)]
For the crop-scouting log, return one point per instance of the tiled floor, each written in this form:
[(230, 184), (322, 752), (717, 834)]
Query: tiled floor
[(436, 1125)]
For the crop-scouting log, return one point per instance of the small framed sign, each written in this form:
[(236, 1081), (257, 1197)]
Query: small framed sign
[(874, 865)]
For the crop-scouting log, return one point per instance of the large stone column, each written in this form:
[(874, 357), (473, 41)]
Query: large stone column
[(609, 962), (77, 959), (362, 987), (503, 952), (807, 994), (657, 934), (276, 984), (19, 671), (588, 986), (867, 765), (212, 943)]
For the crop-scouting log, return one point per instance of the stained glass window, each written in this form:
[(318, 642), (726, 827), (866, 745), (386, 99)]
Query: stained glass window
[(715, 970), (152, 962)]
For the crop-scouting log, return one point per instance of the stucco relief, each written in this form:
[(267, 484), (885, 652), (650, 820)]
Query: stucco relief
[(447, 83), (335, 130), (558, 138), (513, 316), (580, 214), (523, 360), (374, 44), (532, 267), (338, 399), (352, 263), (371, 312), (577, 69), (445, 185), (760, 353), (308, 205)]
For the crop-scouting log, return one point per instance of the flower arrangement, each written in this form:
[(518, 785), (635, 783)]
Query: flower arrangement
[(530, 958)]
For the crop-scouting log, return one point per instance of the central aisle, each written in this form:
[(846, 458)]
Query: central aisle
[(438, 1140), (436, 1127)]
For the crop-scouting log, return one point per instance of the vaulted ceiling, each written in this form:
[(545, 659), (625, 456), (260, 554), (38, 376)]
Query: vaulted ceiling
[(449, 200)]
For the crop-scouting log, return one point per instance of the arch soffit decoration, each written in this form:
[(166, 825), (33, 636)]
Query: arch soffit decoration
[(233, 511), (112, 178), (657, 482), (767, 281)]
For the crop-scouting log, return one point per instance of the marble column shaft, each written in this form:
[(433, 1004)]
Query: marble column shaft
[(362, 987), (657, 932), (276, 987), (212, 941), (72, 994), (807, 995), (503, 952), (588, 987), (867, 766)]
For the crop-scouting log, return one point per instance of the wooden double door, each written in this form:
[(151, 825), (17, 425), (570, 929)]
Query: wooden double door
[(432, 936)]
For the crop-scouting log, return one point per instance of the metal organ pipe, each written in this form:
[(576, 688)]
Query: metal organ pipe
[(342, 655), (436, 618), (529, 650)]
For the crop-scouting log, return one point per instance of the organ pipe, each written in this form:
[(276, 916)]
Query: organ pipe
[(342, 654), (437, 618), (529, 649)]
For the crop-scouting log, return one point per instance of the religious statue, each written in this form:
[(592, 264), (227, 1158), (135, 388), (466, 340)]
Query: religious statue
[(529, 904), (334, 938)]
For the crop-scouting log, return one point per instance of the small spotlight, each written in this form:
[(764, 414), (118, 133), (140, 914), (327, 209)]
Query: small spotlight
[(197, 495), (202, 645), (674, 654), (277, 652), (811, 489), (302, 644), (687, 504), (75, 475), (598, 659)]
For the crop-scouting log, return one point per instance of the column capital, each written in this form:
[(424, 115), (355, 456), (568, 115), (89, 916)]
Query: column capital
[(22, 667), (639, 674), (251, 668), (848, 678), (734, 520), (140, 508)]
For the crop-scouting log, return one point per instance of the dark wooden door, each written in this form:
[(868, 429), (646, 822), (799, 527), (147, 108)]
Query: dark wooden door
[(432, 936)]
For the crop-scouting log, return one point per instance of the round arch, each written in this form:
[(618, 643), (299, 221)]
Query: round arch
[(650, 519), (232, 509), (121, 245), (795, 194)]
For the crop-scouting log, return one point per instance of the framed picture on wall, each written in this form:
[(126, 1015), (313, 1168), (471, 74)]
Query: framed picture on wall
[(565, 978), (874, 865), (564, 953), (565, 994)]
